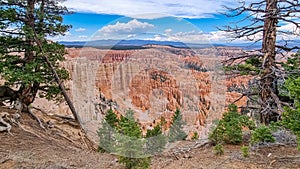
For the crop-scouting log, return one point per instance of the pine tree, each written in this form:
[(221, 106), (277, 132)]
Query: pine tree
[(292, 75), (112, 119), (24, 25), (156, 141), (124, 137), (291, 115), (176, 132), (107, 133), (130, 145), (230, 128)]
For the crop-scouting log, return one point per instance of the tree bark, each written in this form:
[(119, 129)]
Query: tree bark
[(28, 92), (268, 78), (29, 23)]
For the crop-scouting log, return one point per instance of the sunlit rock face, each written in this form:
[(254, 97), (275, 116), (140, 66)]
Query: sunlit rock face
[(153, 82)]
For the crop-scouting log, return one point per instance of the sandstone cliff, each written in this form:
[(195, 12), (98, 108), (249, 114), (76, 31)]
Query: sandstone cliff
[(153, 82)]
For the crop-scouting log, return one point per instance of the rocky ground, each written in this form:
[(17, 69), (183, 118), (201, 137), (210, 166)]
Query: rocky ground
[(62, 145)]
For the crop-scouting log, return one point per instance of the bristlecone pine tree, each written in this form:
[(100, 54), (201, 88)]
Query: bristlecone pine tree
[(262, 22), (23, 25)]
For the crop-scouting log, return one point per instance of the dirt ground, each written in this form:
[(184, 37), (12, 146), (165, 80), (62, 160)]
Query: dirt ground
[(62, 146), (275, 157)]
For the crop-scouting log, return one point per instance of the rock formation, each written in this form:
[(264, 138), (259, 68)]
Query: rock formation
[(153, 82)]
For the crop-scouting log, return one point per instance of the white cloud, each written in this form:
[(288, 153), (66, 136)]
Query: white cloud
[(68, 33), (66, 37), (199, 37), (219, 36), (82, 36), (187, 37), (288, 27), (151, 8), (132, 27), (131, 35), (80, 30), (291, 32), (192, 37), (168, 31)]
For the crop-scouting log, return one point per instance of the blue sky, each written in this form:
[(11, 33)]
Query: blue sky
[(194, 21)]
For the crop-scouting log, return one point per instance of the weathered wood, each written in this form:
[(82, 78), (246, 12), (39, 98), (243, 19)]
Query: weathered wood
[(60, 83), (6, 126), (36, 118), (268, 77)]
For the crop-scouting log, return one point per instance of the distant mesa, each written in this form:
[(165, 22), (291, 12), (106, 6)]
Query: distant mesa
[(132, 44)]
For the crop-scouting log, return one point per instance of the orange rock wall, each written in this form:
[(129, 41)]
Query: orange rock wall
[(124, 76)]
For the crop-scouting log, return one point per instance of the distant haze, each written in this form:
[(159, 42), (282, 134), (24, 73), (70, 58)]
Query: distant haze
[(140, 44)]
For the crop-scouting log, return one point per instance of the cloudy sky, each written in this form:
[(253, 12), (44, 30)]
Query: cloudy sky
[(193, 21)]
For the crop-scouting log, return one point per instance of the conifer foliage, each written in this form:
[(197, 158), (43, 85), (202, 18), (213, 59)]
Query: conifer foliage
[(176, 132), (123, 137), (107, 132), (291, 89), (229, 128), (156, 141), (23, 25)]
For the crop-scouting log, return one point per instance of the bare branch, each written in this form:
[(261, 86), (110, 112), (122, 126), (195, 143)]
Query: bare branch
[(285, 48)]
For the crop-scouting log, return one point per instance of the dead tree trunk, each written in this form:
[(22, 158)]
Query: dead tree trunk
[(60, 83), (62, 88), (268, 77), (264, 16)]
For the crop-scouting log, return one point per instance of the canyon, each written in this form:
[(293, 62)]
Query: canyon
[(153, 82)]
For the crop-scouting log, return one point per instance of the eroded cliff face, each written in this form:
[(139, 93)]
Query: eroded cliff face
[(153, 82), (235, 86)]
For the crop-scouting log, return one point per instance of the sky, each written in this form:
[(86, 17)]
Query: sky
[(189, 21)]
